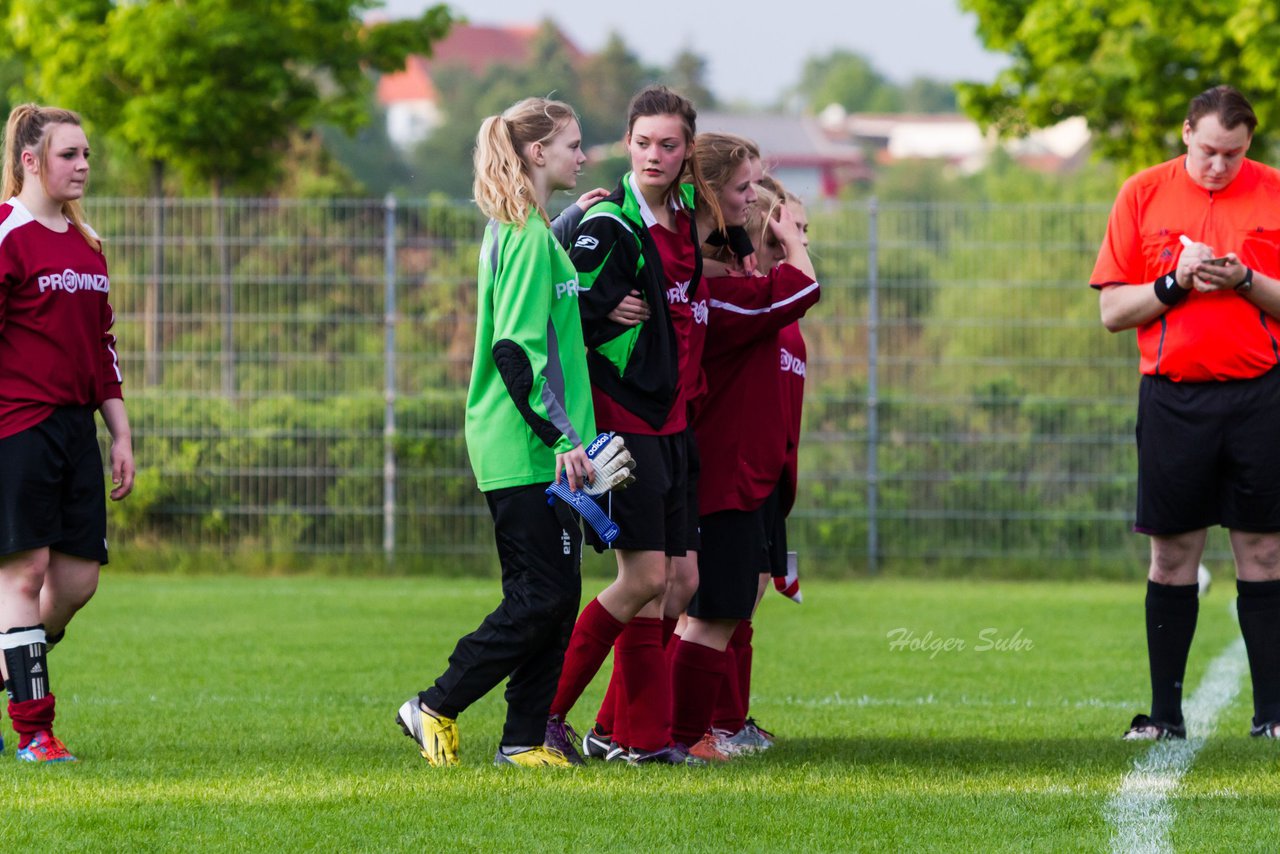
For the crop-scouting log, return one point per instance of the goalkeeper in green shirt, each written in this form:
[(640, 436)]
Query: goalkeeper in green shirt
[(529, 413)]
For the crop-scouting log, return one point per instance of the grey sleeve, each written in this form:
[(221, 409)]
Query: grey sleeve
[(564, 225)]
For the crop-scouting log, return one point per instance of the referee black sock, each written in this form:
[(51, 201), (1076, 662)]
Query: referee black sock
[(1171, 623), (1259, 611)]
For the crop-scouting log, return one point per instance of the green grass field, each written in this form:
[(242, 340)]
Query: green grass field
[(238, 714)]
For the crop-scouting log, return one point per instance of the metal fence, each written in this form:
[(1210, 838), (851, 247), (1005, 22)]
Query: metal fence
[(296, 374)]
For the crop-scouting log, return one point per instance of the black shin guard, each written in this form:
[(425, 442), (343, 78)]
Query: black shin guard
[(24, 655), (1259, 611), (1171, 623)]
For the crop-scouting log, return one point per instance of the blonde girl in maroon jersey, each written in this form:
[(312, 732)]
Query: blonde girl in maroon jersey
[(58, 365), (731, 723), (743, 455)]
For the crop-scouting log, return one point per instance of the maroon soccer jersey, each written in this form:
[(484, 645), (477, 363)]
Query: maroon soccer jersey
[(741, 421), (56, 347), (687, 305), (792, 360)]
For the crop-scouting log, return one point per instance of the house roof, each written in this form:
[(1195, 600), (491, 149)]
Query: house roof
[(784, 140), (412, 84), (473, 47)]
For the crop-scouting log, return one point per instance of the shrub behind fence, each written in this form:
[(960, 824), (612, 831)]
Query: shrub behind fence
[(296, 373)]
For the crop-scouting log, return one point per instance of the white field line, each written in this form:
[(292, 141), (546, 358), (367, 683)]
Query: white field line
[(868, 701), (1140, 810)]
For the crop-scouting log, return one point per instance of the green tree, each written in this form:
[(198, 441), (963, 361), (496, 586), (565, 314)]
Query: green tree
[(211, 89), (688, 76), (1128, 66), (926, 95), (442, 163), (368, 154), (848, 79), (608, 80)]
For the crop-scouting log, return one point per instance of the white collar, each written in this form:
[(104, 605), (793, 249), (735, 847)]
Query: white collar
[(645, 213)]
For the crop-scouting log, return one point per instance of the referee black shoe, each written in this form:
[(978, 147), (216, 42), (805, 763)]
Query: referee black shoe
[(1271, 729), (1143, 728)]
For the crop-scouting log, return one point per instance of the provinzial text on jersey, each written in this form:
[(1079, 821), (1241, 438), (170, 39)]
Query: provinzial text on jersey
[(569, 288), (70, 281), (792, 363)]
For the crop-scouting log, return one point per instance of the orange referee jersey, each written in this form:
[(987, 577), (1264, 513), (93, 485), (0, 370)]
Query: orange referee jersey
[(1214, 336)]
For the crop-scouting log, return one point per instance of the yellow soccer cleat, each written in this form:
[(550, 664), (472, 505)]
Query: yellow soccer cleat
[(534, 757), (437, 737)]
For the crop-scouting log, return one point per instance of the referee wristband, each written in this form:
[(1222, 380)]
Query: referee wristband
[(1168, 291)]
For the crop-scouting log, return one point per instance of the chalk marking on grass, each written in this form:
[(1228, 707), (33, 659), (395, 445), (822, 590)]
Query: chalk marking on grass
[(1140, 808), (868, 701)]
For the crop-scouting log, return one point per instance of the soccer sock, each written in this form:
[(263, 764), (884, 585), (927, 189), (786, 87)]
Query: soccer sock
[(607, 716), (669, 641), (1259, 611), (743, 651), (31, 717), (1171, 623), (697, 676), (669, 648), (668, 630), (729, 714), (593, 636), (31, 705), (646, 683)]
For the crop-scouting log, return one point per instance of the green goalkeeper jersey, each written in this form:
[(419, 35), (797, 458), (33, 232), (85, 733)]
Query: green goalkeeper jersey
[(530, 396)]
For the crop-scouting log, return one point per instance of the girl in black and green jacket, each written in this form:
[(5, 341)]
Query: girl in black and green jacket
[(637, 255)]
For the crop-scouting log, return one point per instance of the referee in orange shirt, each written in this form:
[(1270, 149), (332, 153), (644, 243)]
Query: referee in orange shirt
[(1191, 260)]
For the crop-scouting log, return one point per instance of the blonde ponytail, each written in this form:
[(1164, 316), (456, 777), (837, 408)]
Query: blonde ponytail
[(503, 187)]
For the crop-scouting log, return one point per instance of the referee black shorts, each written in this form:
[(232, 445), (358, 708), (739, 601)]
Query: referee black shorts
[(52, 490), (651, 513), (1208, 455)]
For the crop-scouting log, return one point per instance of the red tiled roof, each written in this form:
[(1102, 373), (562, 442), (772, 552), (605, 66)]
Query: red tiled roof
[(475, 48), (412, 84)]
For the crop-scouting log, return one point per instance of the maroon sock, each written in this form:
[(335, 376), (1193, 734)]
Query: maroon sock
[(669, 648), (697, 673), (742, 649), (646, 683), (593, 635), (606, 718), (30, 717), (668, 630), (728, 713)]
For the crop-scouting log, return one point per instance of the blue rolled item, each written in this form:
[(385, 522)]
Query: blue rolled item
[(605, 527)]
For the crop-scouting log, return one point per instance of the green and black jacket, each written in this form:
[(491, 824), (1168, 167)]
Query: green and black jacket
[(637, 366)]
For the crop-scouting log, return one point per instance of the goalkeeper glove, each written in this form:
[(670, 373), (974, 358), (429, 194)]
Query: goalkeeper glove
[(614, 466)]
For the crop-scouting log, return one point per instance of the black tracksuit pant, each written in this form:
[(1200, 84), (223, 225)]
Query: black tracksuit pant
[(540, 550)]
